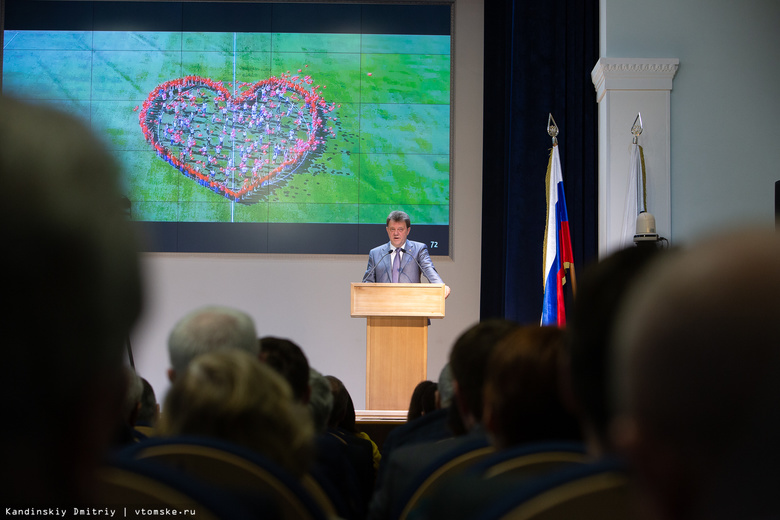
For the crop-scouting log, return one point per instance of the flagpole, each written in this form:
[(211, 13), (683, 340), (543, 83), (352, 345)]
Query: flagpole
[(557, 257), (552, 131)]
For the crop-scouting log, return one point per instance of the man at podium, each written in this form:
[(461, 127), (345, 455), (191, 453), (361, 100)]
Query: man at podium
[(401, 260)]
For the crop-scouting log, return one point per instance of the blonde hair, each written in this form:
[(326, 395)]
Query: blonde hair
[(231, 395)]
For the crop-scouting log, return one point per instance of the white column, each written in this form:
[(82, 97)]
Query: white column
[(624, 88)]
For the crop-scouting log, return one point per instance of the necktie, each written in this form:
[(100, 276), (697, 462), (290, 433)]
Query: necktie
[(396, 265)]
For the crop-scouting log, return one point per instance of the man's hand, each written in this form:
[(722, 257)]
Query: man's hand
[(446, 291)]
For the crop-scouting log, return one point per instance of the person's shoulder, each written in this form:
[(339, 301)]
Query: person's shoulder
[(430, 427), (416, 246), (379, 249)]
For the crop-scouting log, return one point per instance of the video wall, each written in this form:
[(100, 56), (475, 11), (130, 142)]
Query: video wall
[(252, 127)]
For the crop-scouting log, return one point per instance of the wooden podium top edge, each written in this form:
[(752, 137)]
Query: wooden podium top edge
[(398, 284), (394, 416)]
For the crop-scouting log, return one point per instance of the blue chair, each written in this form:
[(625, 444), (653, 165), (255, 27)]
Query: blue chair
[(129, 484), (451, 463), (596, 491), (530, 460), (233, 468), (494, 476)]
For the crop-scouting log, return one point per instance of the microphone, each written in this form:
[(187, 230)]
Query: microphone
[(370, 271)]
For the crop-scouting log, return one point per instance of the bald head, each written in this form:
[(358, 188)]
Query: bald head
[(209, 329), (697, 369)]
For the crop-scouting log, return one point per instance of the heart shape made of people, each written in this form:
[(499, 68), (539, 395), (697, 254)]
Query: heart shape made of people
[(234, 143)]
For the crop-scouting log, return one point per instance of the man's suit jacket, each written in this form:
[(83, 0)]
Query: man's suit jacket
[(380, 266), (431, 427), (407, 464)]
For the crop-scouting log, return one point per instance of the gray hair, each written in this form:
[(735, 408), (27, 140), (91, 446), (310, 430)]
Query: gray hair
[(321, 400), (446, 388), (209, 329)]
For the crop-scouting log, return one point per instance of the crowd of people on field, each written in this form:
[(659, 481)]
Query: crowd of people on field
[(234, 143)]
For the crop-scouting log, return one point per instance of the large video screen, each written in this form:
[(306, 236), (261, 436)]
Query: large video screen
[(251, 127)]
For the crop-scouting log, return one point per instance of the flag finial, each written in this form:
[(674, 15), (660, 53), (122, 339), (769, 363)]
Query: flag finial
[(552, 129), (637, 128)]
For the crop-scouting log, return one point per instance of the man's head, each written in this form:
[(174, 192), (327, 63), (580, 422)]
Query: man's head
[(73, 287), (320, 400), (343, 413), (468, 359), (600, 295), (398, 226), (287, 359), (209, 329), (522, 401), (697, 379)]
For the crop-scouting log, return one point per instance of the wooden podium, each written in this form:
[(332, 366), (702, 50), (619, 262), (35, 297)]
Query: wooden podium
[(396, 337)]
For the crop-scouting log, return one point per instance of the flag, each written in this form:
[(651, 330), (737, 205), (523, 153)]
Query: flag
[(636, 197), (556, 253)]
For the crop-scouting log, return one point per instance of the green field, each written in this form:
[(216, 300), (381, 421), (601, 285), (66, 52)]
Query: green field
[(385, 133)]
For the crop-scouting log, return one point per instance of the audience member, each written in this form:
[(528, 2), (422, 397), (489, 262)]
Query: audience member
[(522, 405), (431, 427), (231, 395), (445, 391), (423, 400), (468, 359), (73, 285), (133, 396), (320, 400), (332, 459), (343, 418), (330, 467), (125, 433), (697, 379), (209, 329), (290, 362), (149, 413), (601, 292), (581, 372), (362, 451), (529, 396), (522, 394)]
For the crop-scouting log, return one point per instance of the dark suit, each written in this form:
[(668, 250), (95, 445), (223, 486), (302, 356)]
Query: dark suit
[(431, 427), (380, 265), (408, 464)]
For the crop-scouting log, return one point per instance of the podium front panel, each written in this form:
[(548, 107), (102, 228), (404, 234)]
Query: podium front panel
[(396, 360)]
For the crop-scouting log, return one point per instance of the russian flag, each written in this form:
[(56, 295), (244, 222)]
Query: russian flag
[(557, 255)]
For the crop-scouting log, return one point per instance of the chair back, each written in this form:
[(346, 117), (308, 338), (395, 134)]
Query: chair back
[(531, 460), (588, 492), (452, 463), (318, 493), (132, 485), (233, 468)]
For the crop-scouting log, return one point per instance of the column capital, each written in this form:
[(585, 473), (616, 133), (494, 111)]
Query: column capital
[(633, 74)]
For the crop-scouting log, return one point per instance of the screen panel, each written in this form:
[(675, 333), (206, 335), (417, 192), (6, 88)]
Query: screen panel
[(289, 128)]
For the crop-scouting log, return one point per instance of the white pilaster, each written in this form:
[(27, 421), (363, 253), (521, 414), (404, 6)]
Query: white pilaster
[(624, 88)]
